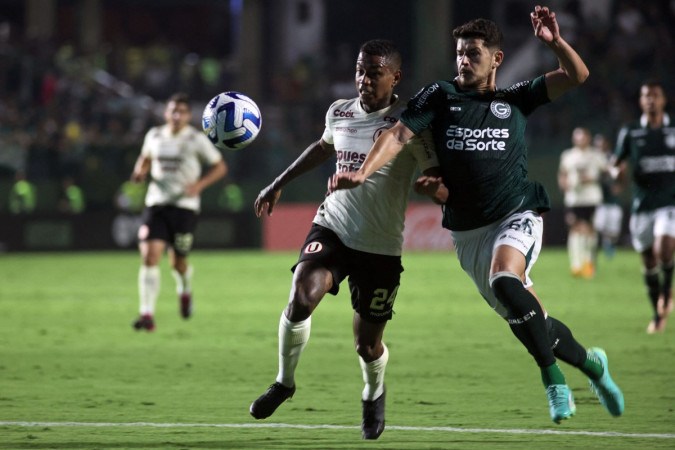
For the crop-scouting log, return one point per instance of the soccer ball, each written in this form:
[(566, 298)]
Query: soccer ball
[(231, 120)]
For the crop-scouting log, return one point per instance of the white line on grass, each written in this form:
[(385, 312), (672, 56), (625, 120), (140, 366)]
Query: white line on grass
[(338, 427)]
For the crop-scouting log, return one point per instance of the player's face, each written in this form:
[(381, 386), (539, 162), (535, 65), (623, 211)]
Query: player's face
[(652, 99), (475, 63), (177, 115), (375, 81), (581, 137)]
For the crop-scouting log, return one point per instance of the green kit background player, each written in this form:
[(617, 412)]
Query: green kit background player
[(648, 146), (492, 209)]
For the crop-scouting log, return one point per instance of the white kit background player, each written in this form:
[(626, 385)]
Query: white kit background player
[(580, 178), (356, 234), (173, 155)]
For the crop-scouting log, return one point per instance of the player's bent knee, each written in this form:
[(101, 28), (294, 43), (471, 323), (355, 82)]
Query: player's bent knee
[(509, 289)]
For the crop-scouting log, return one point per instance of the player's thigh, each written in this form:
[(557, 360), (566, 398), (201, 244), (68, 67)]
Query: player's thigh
[(613, 220), (322, 249), (151, 251), (474, 252), (642, 230), (664, 233), (373, 283), (664, 222), (182, 224), (517, 245), (154, 225)]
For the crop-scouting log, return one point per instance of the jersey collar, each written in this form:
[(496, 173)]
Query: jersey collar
[(644, 120)]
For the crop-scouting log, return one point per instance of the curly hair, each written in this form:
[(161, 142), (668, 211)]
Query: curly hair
[(483, 29)]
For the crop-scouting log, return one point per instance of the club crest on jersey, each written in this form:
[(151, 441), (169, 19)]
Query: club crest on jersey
[(501, 110), (313, 247)]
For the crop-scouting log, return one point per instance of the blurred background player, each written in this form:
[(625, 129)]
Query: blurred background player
[(608, 217), (356, 234), (173, 155), (648, 147), (579, 177)]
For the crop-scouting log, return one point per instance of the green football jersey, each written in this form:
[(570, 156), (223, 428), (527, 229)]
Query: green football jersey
[(651, 155), (480, 141)]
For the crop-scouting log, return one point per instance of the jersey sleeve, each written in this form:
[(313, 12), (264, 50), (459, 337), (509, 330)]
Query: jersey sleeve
[(327, 135), (423, 150), (146, 148), (528, 95), (207, 151), (622, 144), (422, 108)]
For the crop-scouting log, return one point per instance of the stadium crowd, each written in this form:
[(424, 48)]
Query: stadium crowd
[(66, 114)]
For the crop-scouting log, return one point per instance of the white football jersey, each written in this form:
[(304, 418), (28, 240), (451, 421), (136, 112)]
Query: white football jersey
[(176, 163), (581, 165), (370, 217)]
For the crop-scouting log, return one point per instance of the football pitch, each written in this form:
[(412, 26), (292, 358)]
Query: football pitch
[(75, 375)]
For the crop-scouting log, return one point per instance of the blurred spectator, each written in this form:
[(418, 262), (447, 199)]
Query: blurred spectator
[(231, 197), (130, 197), (71, 198), (22, 196)]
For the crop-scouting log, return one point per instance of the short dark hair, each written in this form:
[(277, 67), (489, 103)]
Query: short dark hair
[(384, 48), (180, 97), (651, 83), (483, 29)]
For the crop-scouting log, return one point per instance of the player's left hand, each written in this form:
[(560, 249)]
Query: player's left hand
[(345, 180), (545, 24), (432, 187)]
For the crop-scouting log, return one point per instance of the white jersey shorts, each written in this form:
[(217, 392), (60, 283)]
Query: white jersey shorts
[(608, 219), (645, 226), (522, 231)]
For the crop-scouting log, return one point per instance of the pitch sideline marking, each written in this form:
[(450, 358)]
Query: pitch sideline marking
[(339, 427)]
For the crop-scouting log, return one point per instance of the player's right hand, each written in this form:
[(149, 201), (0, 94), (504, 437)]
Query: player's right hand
[(266, 200), (138, 177)]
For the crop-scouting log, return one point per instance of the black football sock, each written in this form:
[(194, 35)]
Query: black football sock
[(567, 349), (525, 317), (651, 278)]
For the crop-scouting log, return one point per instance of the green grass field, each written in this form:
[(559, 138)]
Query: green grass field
[(74, 375)]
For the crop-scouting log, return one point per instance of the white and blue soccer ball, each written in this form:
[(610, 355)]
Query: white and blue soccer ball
[(231, 120)]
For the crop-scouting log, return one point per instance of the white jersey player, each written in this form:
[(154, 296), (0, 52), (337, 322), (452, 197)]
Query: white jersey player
[(580, 177), (355, 234), (173, 154)]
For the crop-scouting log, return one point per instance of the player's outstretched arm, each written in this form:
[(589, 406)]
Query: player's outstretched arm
[(313, 156), (387, 146), (572, 71)]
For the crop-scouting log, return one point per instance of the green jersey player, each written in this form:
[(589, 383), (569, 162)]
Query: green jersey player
[(648, 146), (492, 209)]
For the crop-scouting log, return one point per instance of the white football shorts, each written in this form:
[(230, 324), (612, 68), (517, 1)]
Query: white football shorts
[(522, 231), (645, 226)]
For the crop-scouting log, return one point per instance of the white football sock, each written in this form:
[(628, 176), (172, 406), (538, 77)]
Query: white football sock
[(574, 250), (590, 247), (373, 375), (293, 337), (183, 280), (148, 288)]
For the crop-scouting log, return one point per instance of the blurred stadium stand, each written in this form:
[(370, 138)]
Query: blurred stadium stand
[(82, 80)]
